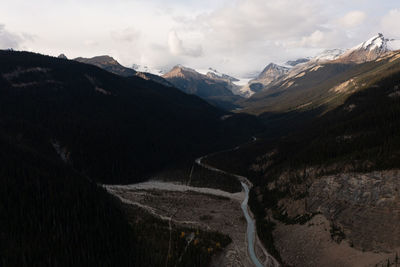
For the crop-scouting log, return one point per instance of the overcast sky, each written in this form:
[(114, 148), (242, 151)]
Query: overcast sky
[(233, 36)]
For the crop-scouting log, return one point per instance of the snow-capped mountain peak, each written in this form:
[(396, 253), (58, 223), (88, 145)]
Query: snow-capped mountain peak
[(155, 71), (376, 42), (213, 73), (369, 50)]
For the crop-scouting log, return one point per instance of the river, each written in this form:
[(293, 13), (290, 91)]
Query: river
[(250, 222), (250, 227)]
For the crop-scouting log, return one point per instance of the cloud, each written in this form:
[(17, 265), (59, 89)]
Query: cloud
[(246, 21), (324, 38), (313, 40), (390, 23), (245, 35), (353, 19), (8, 39), (129, 34), (177, 48), (90, 43)]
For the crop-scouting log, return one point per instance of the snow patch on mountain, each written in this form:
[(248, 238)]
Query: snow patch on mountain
[(376, 42), (330, 54), (242, 81), (142, 68), (210, 70), (246, 92), (213, 73)]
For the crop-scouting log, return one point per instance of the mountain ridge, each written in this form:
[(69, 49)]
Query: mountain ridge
[(218, 91)]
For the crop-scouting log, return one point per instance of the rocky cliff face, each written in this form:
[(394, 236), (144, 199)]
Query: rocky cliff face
[(365, 206), (271, 73), (353, 219)]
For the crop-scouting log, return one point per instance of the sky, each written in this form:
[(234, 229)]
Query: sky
[(236, 37)]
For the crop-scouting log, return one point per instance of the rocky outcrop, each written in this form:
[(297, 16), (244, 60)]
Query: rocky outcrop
[(353, 218), (365, 206)]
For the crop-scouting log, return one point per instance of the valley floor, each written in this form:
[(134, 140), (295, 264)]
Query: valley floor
[(204, 208)]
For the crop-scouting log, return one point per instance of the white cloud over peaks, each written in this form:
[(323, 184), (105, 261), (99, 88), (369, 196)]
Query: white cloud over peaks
[(177, 48), (390, 23), (129, 34), (353, 19), (8, 39), (247, 34), (250, 20), (313, 40)]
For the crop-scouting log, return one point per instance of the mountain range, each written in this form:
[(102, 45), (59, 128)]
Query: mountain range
[(226, 91)]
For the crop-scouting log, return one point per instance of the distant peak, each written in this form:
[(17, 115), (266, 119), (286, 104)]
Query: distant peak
[(182, 68), (148, 69), (376, 42), (62, 56), (372, 49), (181, 71), (273, 66), (296, 62), (272, 70)]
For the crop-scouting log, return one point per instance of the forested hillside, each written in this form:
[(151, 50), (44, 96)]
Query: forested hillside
[(65, 127), (50, 215), (111, 128)]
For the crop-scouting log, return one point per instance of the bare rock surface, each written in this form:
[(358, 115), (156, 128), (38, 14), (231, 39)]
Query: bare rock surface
[(311, 245), (365, 206)]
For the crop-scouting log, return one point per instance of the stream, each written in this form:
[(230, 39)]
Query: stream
[(250, 227), (250, 222)]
